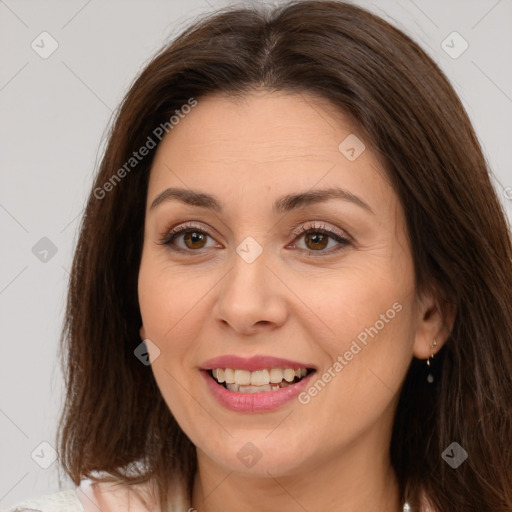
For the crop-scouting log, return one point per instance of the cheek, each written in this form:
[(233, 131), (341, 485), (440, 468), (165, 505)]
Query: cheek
[(168, 302), (168, 298), (367, 358), (368, 317), (352, 301), (164, 318)]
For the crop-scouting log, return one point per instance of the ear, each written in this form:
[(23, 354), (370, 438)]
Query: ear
[(142, 333), (435, 321)]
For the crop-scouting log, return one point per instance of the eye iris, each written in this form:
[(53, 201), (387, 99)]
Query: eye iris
[(317, 238), (197, 239), (194, 237)]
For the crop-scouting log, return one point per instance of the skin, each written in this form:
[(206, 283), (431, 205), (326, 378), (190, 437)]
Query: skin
[(332, 453)]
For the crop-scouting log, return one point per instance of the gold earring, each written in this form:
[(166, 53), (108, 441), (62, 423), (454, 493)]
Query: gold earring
[(431, 353)]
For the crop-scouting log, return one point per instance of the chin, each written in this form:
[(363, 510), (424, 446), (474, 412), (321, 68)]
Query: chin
[(256, 456)]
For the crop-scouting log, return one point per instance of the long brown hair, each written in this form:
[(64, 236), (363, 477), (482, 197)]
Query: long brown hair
[(114, 416)]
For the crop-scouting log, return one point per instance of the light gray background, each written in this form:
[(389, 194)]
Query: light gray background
[(54, 113)]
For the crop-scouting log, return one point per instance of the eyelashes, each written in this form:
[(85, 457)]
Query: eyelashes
[(313, 232), (309, 229), (171, 236)]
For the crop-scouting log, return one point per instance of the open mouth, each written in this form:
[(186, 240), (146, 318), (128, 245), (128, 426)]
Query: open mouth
[(244, 381)]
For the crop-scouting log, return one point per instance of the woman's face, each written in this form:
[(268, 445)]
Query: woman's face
[(262, 282)]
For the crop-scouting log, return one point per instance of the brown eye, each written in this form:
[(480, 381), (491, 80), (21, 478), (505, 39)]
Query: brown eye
[(187, 238), (317, 240), (194, 239)]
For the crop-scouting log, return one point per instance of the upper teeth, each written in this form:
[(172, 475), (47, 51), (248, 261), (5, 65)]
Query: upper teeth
[(258, 377)]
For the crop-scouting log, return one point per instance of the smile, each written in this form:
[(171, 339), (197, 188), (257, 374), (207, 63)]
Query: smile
[(257, 384), (245, 381)]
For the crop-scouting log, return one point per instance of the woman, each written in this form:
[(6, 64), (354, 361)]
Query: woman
[(292, 287)]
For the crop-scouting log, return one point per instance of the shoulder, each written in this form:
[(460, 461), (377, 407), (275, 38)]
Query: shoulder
[(92, 496), (112, 497), (63, 501)]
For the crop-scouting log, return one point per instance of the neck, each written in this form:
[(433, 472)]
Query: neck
[(360, 479)]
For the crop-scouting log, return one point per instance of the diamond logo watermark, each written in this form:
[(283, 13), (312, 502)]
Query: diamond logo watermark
[(454, 45), (44, 250), (249, 250), (147, 352), (44, 45), (249, 455), (351, 147), (454, 455), (44, 455)]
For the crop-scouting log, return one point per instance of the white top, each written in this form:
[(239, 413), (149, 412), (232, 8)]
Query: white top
[(91, 497), (64, 501)]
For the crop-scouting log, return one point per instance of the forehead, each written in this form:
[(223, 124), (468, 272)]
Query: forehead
[(265, 142), (260, 125)]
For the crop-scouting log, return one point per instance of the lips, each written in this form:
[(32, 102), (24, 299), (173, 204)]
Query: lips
[(256, 384), (254, 363)]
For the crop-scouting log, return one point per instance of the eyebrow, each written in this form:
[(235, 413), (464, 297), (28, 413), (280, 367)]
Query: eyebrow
[(281, 205)]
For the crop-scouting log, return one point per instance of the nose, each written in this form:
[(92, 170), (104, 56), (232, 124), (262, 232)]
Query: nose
[(251, 298)]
